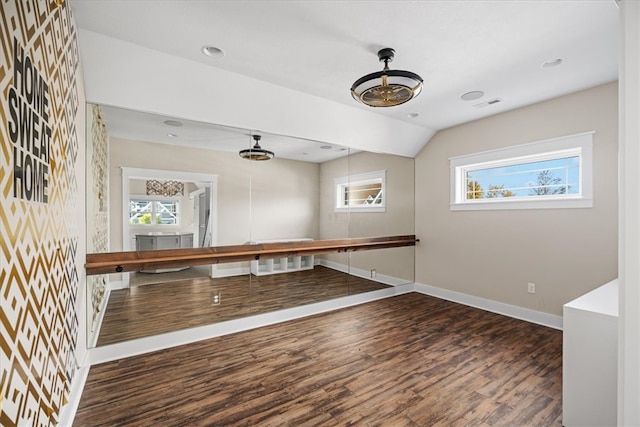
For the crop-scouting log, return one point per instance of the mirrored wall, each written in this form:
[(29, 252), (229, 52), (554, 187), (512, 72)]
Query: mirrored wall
[(156, 182)]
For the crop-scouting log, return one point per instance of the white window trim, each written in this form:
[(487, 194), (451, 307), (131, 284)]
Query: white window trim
[(578, 144), (360, 179)]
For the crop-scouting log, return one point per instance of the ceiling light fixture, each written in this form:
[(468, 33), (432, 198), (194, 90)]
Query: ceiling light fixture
[(387, 88), (173, 123), (256, 153)]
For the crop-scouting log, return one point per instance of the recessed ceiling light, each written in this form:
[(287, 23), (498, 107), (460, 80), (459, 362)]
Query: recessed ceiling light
[(552, 63), (172, 135), (326, 147), (212, 51), (472, 96), (172, 123), (413, 115)]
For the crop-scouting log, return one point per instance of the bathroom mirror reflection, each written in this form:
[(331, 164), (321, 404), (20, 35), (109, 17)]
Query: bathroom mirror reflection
[(158, 182)]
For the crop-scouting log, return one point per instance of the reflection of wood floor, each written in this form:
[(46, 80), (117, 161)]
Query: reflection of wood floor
[(409, 360), (137, 279), (165, 307)]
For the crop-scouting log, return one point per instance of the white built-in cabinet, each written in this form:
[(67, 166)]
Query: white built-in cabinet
[(266, 266), (590, 358)]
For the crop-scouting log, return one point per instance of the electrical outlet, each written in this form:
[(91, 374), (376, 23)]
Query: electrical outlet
[(531, 288), (215, 298), (373, 273)]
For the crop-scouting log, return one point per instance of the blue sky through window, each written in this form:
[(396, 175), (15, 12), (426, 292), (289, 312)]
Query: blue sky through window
[(522, 178)]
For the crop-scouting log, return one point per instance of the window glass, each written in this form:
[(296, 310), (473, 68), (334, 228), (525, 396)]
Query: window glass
[(153, 212), (362, 192), (543, 178), (553, 173)]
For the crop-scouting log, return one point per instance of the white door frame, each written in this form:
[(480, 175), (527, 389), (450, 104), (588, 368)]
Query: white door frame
[(138, 173)]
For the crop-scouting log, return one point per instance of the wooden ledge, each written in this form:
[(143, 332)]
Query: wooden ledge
[(119, 262)]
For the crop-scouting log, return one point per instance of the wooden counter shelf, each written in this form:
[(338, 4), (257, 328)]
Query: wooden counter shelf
[(118, 262)]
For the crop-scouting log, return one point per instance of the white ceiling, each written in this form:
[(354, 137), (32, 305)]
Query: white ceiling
[(322, 47), (140, 126)]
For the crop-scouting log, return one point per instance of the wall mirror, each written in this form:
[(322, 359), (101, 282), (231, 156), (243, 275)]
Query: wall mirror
[(156, 182)]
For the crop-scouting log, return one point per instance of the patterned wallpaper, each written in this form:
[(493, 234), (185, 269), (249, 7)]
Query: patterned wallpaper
[(97, 210), (39, 197)]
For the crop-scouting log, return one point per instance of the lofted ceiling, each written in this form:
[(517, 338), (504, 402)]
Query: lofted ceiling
[(320, 48)]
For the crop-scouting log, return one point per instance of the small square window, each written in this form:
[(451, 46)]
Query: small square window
[(363, 192), (144, 211)]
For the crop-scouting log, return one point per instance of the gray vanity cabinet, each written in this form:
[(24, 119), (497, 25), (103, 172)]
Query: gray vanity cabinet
[(152, 242)]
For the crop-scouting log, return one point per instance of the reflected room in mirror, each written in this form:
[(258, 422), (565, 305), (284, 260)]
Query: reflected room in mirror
[(156, 182)]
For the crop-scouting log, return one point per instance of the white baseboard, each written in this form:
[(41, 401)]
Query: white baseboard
[(230, 272), (172, 339), (158, 342), (521, 313), (333, 265), (93, 336), (69, 410), (116, 284), (365, 274)]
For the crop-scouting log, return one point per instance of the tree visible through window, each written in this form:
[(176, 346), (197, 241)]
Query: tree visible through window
[(533, 175), (158, 212), (543, 178)]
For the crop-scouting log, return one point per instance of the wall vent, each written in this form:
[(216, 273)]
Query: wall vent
[(487, 103)]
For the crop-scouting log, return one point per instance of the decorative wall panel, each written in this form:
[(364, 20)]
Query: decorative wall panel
[(38, 199), (97, 210)]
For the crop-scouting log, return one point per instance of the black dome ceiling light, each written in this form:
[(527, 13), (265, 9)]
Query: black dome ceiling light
[(387, 88), (256, 153)]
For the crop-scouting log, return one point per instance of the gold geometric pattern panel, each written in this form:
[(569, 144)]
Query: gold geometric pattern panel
[(164, 188), (97, 207), (38, 197)]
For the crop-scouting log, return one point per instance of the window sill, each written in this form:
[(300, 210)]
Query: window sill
[(364, 209), (487, 205)]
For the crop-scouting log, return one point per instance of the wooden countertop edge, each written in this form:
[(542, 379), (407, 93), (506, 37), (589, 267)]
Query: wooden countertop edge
[(118, 262)]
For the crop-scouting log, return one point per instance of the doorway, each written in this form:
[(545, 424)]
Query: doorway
[(199, 221)]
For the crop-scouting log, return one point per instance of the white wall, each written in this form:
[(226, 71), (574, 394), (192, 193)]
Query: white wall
[(629, 263), (283, 202), (494, 254), (398, 218)]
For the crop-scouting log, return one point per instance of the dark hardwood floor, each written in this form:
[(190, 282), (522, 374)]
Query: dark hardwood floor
[(409, 360), (152, 309)]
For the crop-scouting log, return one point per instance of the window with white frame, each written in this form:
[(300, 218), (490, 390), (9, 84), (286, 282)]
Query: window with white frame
[(154, 211), (362, 192), (555, 173)]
